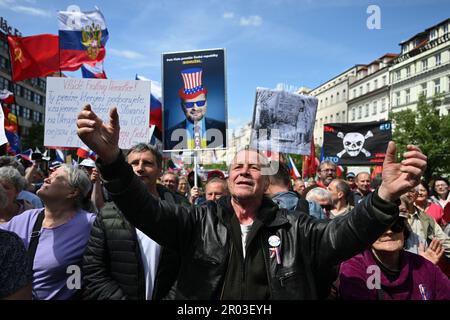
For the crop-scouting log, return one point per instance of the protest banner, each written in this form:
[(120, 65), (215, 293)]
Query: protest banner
[(194, 100), (283, 121), (359, 143), (67, 96)]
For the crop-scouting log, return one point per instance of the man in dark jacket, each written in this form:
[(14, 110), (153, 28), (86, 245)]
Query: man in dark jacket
[(243, 246), (120, 261)]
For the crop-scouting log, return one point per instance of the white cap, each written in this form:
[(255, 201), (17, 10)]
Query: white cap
[(88, 163)]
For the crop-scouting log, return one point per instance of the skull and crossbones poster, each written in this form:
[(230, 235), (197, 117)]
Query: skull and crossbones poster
[(362, 143)]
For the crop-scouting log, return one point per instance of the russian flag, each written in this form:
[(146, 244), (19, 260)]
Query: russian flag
[(95, 72), (293, 169), (155, 105), (82, 38), (86, 153)]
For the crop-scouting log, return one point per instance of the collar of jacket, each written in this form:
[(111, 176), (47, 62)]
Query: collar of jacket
[(269, 213)]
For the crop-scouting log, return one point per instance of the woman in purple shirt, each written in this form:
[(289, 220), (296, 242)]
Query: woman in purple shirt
[(63, 235), (387, 272)]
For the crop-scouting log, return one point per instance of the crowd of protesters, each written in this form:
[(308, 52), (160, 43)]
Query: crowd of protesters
[(123, 228)]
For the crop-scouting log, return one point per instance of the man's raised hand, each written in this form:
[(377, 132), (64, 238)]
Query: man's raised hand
[(102, 138), (398, 178)]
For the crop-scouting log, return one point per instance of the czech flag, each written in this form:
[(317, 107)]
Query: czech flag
[(82, 38), (293, 169), (26, 154)]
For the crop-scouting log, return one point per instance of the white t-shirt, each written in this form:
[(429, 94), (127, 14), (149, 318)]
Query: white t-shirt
[(245, 230), (150, 251)]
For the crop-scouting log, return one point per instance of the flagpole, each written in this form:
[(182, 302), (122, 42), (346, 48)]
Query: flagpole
[(195, 168)]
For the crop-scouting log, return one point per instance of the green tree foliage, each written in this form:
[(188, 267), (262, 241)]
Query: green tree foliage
[(428, 130)]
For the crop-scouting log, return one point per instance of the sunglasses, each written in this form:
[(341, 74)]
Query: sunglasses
[(398, 226), (200, 103)]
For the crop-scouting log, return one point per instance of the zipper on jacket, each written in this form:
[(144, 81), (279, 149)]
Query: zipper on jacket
[(230, 252)]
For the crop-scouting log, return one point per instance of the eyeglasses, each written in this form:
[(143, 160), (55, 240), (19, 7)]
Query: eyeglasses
[(200, 103), (327, 170), (398, 225)]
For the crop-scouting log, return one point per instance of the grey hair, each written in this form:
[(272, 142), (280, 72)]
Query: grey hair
[(328, 163), (13, 176), (8, 161), (3, 197), (318, 193), (77, 178)]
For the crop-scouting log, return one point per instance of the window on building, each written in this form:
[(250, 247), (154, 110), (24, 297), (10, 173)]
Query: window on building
[(384, 80), (337, 97), (36, 116), (34, 81), (338, 117), (397, 98), (366, 111), (423, 89), (344, 95), (424, 64), (326, 101), (326, 120), (331, 119), (408, 71), (383, 104), (26, 113), (445, 28), (15, 109), (321, 121), (354, 93), (375, 107), (407, 95), (42, 84), (375, 84), (360, 91), (332, 99), (353, 113), (433, 34), (448, 83), (438, 58), (344, 119), (437, 86), (359, 112), (397, 75), (368, 87)]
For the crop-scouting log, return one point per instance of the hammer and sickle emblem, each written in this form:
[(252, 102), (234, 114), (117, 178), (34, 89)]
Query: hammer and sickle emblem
[(18, 55)]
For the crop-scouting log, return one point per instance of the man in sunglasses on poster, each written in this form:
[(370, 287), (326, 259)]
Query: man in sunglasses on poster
[(197, 130)]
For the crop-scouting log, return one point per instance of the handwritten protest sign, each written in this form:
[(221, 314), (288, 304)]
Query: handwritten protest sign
[(3, 138), (66, 98)]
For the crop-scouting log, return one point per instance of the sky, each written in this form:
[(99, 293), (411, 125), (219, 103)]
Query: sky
[(290, 42)]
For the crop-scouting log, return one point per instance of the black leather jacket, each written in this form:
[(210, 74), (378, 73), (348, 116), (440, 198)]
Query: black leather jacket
[(201, 236)]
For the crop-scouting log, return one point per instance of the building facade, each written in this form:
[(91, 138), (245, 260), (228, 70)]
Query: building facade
[(369, 92), (332, 101), (423, 67)]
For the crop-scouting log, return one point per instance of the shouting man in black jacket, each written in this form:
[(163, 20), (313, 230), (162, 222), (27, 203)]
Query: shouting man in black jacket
[(120, 261), (243, 246)]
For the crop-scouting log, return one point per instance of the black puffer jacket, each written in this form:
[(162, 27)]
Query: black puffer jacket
[(112, 263), (203, 236)]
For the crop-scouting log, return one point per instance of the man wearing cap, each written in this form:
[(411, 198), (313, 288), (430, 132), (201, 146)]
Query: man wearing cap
[(350, 179), (243, 246), (197, 130)]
